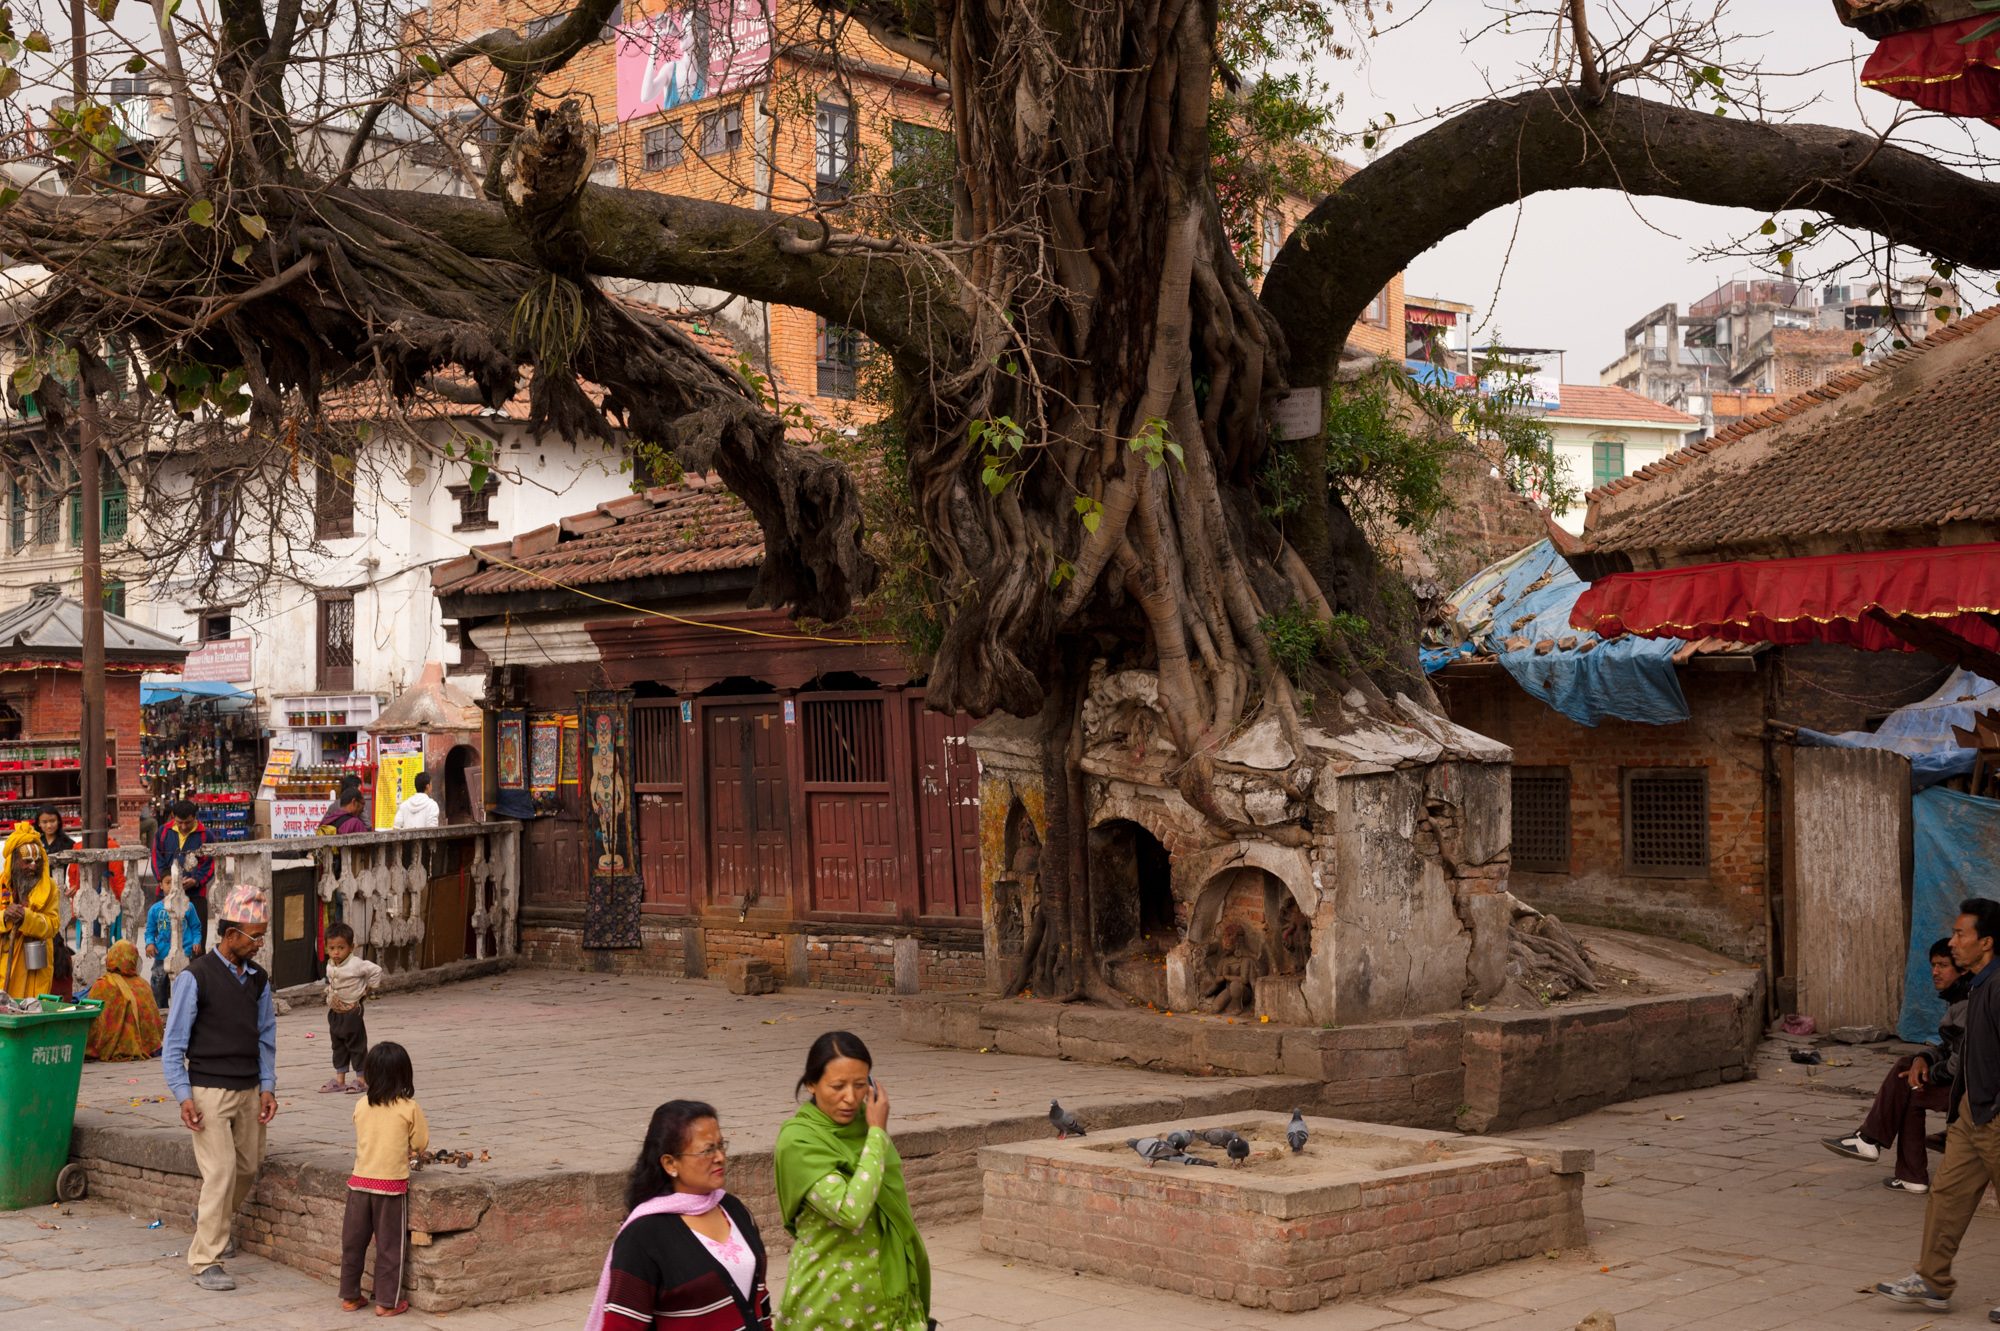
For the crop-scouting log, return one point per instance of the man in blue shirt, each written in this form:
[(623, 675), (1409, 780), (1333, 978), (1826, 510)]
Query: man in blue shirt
[(1972, 1139), (221, 1057)]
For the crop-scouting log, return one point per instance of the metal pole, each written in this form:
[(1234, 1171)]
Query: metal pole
[(91, 742)]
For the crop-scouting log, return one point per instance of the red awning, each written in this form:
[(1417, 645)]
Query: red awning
[(1886, 600), (1939, 69)]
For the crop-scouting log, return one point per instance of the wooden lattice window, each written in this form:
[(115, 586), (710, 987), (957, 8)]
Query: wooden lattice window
[(844, 740), (1541, 819), (656, 744), (1666, 821), (336, 641)]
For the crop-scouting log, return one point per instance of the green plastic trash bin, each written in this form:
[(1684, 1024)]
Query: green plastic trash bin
[(41, 1067)]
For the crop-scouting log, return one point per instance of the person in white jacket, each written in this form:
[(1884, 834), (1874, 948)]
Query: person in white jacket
[(419, 810)]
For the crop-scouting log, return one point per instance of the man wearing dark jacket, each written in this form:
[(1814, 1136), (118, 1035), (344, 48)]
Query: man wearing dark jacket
[(1916, 1085), (1972, 1139), (183, 838)]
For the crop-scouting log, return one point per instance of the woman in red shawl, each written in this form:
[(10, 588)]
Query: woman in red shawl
[(130, 1026)]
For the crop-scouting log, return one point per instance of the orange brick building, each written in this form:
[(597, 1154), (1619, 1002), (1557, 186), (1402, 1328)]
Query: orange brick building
[(766, 104)]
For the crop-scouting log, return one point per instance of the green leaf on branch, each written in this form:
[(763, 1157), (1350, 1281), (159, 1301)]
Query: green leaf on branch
[(202, 212), (429, 63), (1770, 227), (156, 382), (106, 8), (136, 65), (37, 41), (476, 478), (240, 256), (10, 81), (1061, 573), (253, 225), (1091, 511), (8, 196)]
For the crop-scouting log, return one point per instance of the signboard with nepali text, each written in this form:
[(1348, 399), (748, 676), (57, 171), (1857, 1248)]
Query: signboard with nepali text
[(694, 50), (226, 660), (296, 818)]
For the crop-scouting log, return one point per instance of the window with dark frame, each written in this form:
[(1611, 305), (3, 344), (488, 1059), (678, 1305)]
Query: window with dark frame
[(844, 742), (48, 515), (112, 517), (333, 495), (833, 151), (336, 640), (663, 147), (1666, 821), (1541, 819), (218, 516), (474, 507), (839, 360), (17, 514), (471, 659), (721, 131), (215, 626), (114, 596)]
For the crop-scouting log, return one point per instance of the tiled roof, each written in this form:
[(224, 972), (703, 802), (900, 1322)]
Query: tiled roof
[(1909, 443), (1606, 402), (696, 526)]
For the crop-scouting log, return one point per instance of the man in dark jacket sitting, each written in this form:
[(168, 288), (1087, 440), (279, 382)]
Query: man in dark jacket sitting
[(1917, 1084)]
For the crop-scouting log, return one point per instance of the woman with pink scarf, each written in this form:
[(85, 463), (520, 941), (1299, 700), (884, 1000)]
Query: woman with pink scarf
[(689, 1255)]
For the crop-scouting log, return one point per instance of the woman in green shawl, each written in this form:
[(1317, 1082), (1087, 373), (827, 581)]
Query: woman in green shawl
[(857, 1262)]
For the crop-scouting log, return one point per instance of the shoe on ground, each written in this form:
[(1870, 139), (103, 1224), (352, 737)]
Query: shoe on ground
[(1854, 1146), (1935, 1141), (215, 1278), (1904, 1185), (1912, 1289), (334, 1088)]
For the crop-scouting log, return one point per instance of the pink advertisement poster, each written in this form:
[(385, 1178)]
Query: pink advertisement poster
[(691, 51)]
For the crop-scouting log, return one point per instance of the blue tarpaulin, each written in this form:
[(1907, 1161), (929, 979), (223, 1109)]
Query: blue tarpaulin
[(1956, 839), (1527, 598), (1921, 732), (189, 688)]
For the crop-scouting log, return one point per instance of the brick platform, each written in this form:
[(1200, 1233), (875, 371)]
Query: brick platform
[(1472, 1071), (1365, 1209), (556, 1076)]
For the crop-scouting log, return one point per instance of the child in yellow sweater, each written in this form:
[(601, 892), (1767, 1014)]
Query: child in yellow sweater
[(389, 1127)]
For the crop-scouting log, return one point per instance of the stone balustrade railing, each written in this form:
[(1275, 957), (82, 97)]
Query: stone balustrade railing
[(377, 882)]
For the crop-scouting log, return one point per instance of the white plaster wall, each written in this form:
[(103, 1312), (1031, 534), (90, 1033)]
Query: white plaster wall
[(1573, 439)]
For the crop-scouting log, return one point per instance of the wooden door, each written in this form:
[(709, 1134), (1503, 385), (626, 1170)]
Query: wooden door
[(749, 823), (1848, 850), (850, 807), (659, 758), (947, 798)]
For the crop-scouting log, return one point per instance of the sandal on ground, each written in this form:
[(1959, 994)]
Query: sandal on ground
[(333, 1088), (396, 1311), (353, 1305), (357, 1087)]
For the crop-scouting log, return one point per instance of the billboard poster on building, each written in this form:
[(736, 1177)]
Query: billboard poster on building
[(693, 50)]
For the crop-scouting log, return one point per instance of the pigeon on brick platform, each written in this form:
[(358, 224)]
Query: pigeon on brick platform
[(1152, 1149), (1192, 1160), (1065, 1123), (1239, 1151), (1295, 1132), (1217, 1136), (1180, 1141)]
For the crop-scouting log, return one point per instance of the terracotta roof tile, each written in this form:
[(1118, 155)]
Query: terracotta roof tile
[(1909, 442), (1606, 402)]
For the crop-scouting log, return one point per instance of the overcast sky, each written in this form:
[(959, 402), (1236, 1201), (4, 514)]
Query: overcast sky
[(1586, 264)]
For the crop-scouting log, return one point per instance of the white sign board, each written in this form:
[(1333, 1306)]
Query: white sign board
[(1298, 415), (225, 659), (295, 818)]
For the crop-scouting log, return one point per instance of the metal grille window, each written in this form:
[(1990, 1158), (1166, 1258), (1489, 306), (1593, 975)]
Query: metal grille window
[(1607, 462), (333, 495), (656, 744), (1666, 821), (844, 740), (336, 642), (17, 515), (112, 520), (664, 147), (48, 515), (839, 355), (1541, 819)]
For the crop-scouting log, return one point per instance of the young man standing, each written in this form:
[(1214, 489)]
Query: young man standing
[(221, 1057), (419, 810), (183, 838), (1972, 1139)]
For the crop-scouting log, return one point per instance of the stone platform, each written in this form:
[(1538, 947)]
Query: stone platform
[(553, 1077), (1683, 1019), (1362, 1210)]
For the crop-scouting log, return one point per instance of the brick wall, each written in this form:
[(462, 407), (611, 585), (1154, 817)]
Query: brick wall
[(1722, 908), (51, 706), (1271, 1246), (815, 958)]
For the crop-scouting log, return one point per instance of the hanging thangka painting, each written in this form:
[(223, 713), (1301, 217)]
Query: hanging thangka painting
[(612, 890), (544, 747), (509, 739)]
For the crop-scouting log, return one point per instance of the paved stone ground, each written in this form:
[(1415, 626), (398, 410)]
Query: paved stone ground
[(1714, 1209), (562, 1071)]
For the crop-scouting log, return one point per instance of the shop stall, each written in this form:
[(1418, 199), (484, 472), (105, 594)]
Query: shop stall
[(41, 708), (202, 741), (317, 741)]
